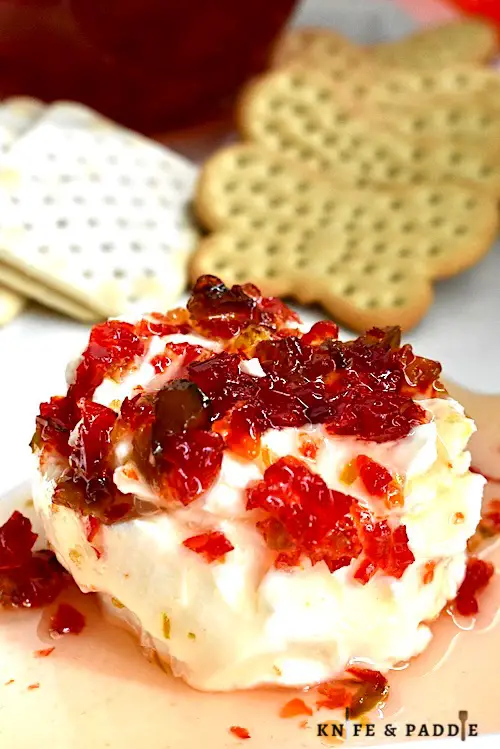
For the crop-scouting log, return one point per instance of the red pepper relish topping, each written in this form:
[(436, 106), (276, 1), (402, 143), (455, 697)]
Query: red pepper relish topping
[(27, 578), (365, 388)]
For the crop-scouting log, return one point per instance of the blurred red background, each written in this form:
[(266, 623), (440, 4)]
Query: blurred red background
[(154, 65)]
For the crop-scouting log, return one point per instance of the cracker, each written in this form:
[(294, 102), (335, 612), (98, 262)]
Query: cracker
[(464, 40), (16, 116), (349, 294), (475, 125), (29, 287), (423, 87), (298, 112), (11, 305), (313, 42), (363, 79), (96, 213), (342, 60), (367, 255)]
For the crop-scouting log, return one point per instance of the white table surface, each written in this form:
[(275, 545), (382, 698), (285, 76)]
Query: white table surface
[(461, 330)]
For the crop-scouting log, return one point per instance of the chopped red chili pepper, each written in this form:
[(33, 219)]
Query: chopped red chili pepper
[(212, 546), (239, 732), (177, 434), (27, 578)]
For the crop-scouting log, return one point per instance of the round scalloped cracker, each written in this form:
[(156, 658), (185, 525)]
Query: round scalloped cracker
[(297, 112), (342, 60), (354, 286), (313, 42), (464, 40), (289, 230), (447, 227), (362, 79), (423, 87), (241, 180), (475, 126)]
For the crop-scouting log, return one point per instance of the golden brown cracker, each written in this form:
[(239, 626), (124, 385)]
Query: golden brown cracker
[(344, 62), (367, 255), (475, 126), (423, 87), (359, 293), (312, 42), (299, 113), (362, 77), (465, 40)]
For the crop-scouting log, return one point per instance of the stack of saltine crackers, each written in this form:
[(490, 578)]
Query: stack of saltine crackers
[(94, 219), (363, 175)]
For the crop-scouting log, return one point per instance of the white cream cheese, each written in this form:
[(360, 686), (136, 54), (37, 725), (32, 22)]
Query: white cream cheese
[(241, 623)]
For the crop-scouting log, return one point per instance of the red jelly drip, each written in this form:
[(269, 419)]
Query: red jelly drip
[(477, 575), (213, 545), (27, 578), (66, 620)]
